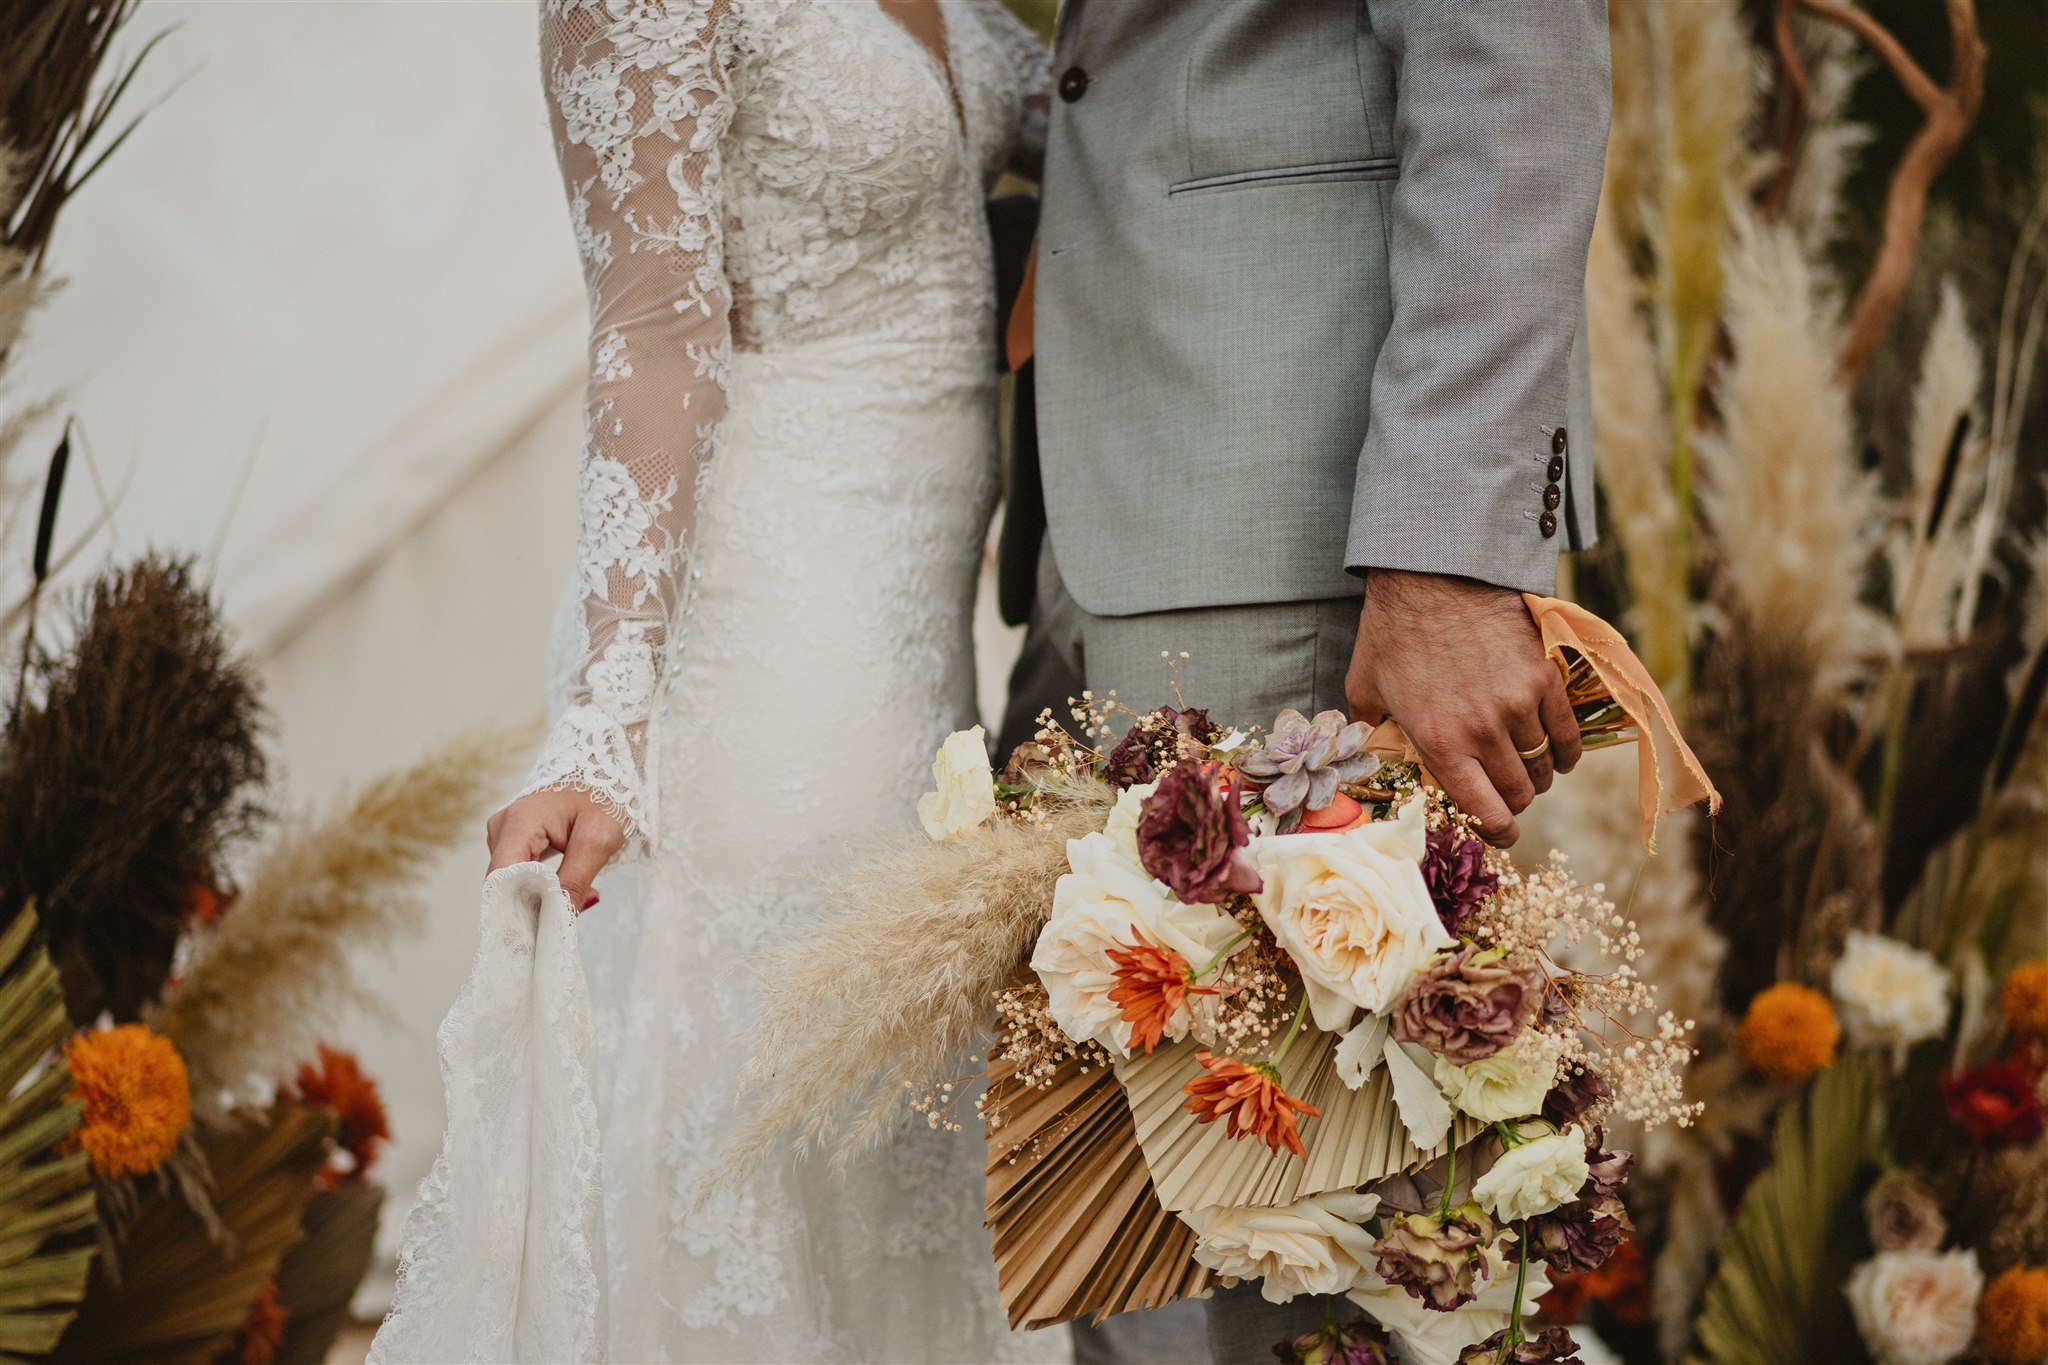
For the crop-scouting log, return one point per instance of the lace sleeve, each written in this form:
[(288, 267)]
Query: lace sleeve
[(639, 100), (1032, 62)]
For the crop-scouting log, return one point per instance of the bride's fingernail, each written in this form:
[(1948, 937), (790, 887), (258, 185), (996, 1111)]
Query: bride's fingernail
[(590, 900)]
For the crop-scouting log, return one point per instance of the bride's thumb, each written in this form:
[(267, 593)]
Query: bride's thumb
[(592, 841)]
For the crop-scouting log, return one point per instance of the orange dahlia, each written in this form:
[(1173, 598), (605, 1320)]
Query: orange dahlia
[(1251, 1097), (338, 1083), (262, 1331), (1790, 1032), (136, 1096), (2012, 1317), (2025, 999)]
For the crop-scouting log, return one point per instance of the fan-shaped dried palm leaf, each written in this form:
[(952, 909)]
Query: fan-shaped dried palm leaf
[(319, 1276), (182, 1295), (264, 985), (47, 1209), (1776, 1294)]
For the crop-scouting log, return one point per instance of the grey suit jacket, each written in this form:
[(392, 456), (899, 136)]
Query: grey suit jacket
[(1310, 294)]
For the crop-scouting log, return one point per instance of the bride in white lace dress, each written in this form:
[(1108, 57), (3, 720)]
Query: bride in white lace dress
[(788, 471)]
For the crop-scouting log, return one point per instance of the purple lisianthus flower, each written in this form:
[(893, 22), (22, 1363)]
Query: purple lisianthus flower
[(1303, 762), (1467, 1005), (1571, 1098), (1437, 1260), (1454, 868), (1154, 743), (1551, 1346), (1580, 1236), (1192, 835), (1358, 1342)]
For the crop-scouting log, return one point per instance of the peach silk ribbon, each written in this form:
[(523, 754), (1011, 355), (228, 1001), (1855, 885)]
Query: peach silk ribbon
[(1668, 774)]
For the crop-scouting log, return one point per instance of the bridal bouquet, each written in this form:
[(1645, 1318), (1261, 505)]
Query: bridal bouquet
[(1268, 1009)]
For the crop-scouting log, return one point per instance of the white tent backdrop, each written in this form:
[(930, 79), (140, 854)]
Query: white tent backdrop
[(332, 271)]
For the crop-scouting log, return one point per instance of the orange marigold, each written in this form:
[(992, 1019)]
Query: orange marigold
[(262, 1331), (2025, 999), (1790, 1032), (136, 1096), (1151, 983), (339, 1083), (1250, 1097), (2012, 1317)]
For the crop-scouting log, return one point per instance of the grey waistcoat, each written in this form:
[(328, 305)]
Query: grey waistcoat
[(1310, 294)]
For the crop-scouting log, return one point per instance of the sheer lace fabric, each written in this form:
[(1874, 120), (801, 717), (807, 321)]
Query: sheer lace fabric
[(789, 469)]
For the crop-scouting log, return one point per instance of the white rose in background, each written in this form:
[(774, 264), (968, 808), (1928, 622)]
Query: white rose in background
[(967, 791), (1916, 1307), (1314, 1246), (1508, 1085), (1535, 1177), (1106, 901), (1427, 1337), (1353, 912), (1888, 992), (1122, 827)]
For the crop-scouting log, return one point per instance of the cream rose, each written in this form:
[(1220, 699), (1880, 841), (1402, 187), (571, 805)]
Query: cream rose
[(1353, 912), (1508, 1085), (1431, 1338), (1314, 1246), (967, 792), (1916, 1307), (1106, 901), (1888, 992), (1122, 826), (1534, 1177)]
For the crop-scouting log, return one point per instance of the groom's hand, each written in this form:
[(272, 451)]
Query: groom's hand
[(1459, 665)]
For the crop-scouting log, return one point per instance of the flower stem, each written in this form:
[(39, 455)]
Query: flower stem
[(1225, 951), (1515, 1336), (1300, 1013), (1443, 1208)]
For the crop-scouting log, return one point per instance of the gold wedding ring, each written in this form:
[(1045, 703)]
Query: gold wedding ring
[(1531, 755)]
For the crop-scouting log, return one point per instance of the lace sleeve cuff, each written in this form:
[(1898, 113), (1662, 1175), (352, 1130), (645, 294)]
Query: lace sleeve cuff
[(592, 752)]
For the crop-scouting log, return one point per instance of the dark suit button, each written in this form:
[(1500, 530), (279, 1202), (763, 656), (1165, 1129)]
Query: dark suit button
[(1551, 498), (1555, 469), (1073, 84), (1557, 441), (1547, 523)]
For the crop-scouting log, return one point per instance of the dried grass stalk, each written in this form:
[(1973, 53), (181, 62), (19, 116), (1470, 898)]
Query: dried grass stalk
[(276, 972), (127, 773), (1933, 564), (1831, 141), (892, 992)]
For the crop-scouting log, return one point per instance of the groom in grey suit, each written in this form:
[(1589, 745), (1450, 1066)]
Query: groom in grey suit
[(1309, 360)]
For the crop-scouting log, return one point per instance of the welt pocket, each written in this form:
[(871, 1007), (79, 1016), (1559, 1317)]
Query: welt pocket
[(1322, 172)]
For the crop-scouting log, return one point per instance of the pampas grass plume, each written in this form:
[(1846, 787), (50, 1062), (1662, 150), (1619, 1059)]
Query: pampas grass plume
[(263, 986), (890, 993)]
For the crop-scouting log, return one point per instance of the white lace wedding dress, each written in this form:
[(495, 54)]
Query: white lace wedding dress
[(789, 467)]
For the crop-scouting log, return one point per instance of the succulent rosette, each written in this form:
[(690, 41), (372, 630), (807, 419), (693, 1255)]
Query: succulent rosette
[(1303, 762)]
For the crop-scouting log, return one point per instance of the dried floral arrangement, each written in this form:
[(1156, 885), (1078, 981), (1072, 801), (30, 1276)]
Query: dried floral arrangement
[(1813, 485), (1267, 1010)]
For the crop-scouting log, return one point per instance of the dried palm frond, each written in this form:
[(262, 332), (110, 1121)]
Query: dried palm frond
[(1776, 1294), (182, 1294), (47, 1209), (271, 978), (319, 1276), (128, 770), (929, 935)]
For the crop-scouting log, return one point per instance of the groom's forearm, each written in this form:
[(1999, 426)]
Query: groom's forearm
[(1501, 131)]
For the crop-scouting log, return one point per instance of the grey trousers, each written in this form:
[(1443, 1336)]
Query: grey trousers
[(1245, 664)]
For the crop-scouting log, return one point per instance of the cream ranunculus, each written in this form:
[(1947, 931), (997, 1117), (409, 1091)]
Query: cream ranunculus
[(1353, 912), (1916, 1307), (1428, 1337), (1508, 1085), (1888, 992), (1534, 1177), (1122, 826), (967, 791), (1107, 901), (1315, 1246)]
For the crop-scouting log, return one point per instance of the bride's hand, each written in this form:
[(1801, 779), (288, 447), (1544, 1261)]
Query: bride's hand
[(568, 822)]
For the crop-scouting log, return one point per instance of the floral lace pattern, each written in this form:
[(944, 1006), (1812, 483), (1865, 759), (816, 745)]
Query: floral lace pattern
[(789, 458)]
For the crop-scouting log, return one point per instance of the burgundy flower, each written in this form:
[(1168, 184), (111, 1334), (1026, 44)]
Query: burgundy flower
[(1303, 762), (1467, 1005), (1454, 869), (1551, 1346), (1437, 1261), (1996, 1105), (1358, 1342), (1154, 743), (1570, 1099), (1606, 1172), (1581, 1235), (1191, 835)]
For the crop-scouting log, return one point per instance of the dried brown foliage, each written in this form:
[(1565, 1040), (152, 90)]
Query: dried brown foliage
[(131, 763)]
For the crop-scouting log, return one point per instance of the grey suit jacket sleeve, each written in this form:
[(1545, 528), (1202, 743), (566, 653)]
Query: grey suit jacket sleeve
[(1501, 131)]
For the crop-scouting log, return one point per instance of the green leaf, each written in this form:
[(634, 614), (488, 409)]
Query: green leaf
[(1776, 1296)]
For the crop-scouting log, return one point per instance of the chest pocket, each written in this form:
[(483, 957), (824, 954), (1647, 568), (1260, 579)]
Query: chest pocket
[(1277, 87)]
